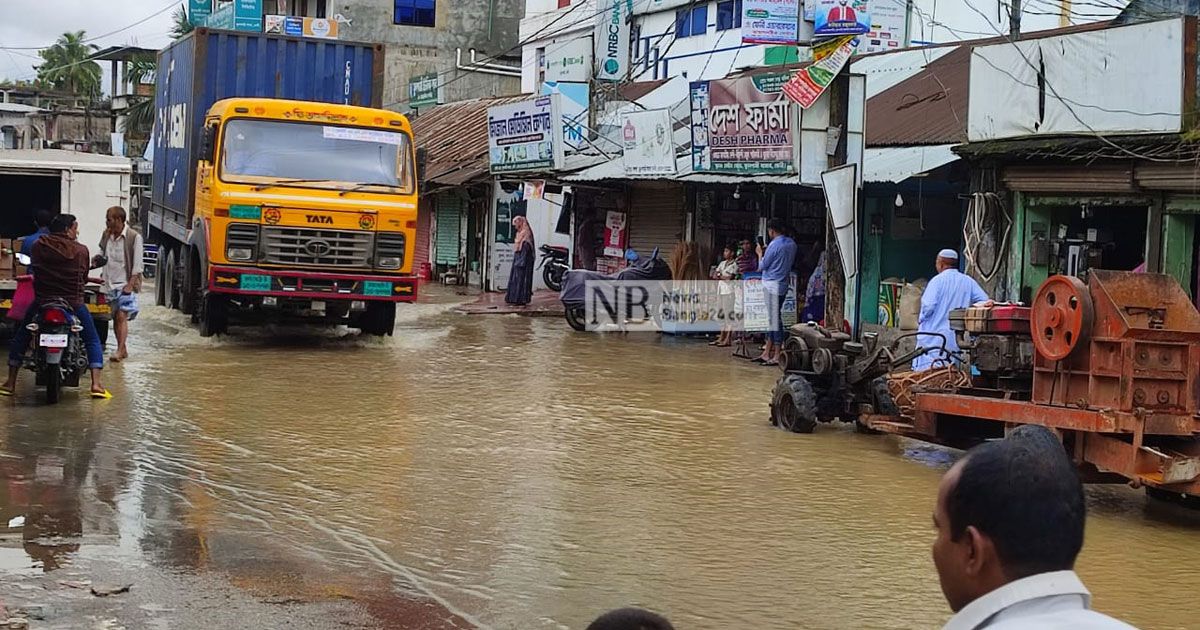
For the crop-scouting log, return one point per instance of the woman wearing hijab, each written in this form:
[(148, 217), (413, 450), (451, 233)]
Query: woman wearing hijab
[(520, 280)]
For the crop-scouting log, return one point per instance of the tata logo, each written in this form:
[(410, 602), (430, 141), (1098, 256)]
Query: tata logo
[(319, 218), (318, 248)]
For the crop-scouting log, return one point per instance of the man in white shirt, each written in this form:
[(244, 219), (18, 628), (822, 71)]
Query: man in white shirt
[(121, 247), (1009, 519)]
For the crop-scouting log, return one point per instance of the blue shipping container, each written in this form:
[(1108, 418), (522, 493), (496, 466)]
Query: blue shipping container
[(207, 66)]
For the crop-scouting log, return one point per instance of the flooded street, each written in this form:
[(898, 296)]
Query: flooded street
[(505, 472)]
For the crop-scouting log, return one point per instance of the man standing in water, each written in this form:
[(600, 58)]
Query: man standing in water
[(121, 247), (949, 290), (1009, 520), (776, 263)]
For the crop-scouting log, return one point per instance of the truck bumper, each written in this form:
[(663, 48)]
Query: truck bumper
[(312, 285)]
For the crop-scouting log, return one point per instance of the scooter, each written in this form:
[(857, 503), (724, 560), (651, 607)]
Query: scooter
[(573, 294), (554, 265), (58, 356)]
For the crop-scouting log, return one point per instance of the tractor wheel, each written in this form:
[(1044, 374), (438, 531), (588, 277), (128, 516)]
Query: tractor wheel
[(881, 398), (794, 405)]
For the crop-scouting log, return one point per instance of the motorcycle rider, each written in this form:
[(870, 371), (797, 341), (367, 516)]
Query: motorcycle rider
[(62, 272)]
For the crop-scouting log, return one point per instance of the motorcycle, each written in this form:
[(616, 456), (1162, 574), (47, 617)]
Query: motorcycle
[(574, 295), (58, 356), (554, 265)]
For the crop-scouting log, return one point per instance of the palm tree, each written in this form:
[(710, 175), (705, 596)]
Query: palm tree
[(140, 115), (67, 66), (182, 25)]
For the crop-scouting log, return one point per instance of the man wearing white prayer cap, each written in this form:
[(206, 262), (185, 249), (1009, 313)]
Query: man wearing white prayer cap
[(949, 290)]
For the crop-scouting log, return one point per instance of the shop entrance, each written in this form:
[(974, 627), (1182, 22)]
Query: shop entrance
[(1096, 237)]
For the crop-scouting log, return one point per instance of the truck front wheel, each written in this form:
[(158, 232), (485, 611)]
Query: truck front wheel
[(213, 314), (379, 319)]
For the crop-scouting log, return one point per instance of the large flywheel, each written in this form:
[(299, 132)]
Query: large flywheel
[(1062, 316)]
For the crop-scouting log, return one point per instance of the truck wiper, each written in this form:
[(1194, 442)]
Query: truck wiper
[(361, 185), (284, 182)]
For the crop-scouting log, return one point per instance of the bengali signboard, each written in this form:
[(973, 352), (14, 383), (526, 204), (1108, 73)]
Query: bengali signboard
[(610, 40), (423, 90), (841, 17), (742, 125), (889, 27), (811, 82), (199, 10), (525, 136), (647, 139), (756, 314), (569, 61), (770, 21), (239, 15), (293, 26)]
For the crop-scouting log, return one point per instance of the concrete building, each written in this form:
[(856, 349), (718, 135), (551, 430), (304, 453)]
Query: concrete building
[(429, 36)]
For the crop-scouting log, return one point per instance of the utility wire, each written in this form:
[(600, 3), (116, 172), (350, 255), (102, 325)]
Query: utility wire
[(99, 37)]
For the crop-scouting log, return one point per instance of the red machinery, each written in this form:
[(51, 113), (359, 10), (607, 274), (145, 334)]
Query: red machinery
[(1115, 374)]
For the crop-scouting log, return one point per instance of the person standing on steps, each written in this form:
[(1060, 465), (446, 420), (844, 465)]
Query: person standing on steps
[(121, 247)]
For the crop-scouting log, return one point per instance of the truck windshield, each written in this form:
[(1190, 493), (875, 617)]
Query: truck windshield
[(259, 151)]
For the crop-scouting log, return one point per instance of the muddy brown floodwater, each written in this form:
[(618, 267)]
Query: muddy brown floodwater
[(505, 472)]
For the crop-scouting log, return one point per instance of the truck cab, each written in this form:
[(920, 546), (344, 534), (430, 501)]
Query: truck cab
[(302, 210)]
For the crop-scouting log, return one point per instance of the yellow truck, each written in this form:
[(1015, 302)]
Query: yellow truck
[(273, 209)]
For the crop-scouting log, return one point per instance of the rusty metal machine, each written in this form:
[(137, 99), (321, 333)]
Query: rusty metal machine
[(1115, 372)]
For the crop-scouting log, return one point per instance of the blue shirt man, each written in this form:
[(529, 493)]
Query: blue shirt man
[(775, 264), (949, 290)]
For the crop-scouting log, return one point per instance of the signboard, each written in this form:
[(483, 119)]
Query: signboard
[(747, 125), (811, 82), (569, 61), (770, 21), (756, 316), (573, 103), (648, 142), (239, 15), (199, 10), (293, 26), (423, 90), (610, 40), (615, 234), (841, 17), (525, 136), (889, 27)]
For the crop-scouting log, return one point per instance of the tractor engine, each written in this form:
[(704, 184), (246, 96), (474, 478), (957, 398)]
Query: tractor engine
[(998, 345)]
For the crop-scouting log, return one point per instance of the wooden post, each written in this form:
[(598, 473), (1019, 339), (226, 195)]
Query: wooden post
[(835, 275)]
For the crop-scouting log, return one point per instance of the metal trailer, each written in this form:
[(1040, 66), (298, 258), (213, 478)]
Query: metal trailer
[(1115, 375)]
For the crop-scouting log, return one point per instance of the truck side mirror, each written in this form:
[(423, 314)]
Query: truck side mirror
[(422, 162), (208, 144)]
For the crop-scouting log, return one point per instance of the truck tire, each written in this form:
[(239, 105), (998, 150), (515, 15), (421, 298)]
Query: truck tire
[(794, 404), (213, 314), (192, 287), (166, 287), (379, 320), (102, 332)]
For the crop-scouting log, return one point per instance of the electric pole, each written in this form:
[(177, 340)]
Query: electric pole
[(1014, 20)]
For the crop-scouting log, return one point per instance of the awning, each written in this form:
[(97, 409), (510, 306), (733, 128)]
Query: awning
[(615, 170), (896, 164)]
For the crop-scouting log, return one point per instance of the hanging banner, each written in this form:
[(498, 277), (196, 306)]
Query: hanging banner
[(748, 126), (534, 189), (615, 234), (841, 17), (648, 143), (810, 83), (770, 21), (525, 136), (701, 152), (610, 40), (574, 99), (889, 27)]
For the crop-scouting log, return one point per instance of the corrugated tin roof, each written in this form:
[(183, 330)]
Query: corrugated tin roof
[(455, 137), (896, 164), (19, 108), (929, 108)]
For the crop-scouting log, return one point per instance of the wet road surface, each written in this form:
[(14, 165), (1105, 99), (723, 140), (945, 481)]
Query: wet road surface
[(504, 472)]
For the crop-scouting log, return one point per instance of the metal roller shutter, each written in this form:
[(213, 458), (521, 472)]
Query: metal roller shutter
[(424, 227), (656, 218), (449, 229)]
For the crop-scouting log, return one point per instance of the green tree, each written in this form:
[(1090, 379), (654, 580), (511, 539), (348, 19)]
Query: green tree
[(67, 66), (182, 25), (140, 115)]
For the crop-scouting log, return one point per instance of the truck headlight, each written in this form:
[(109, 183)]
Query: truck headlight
[(241, 242), (389, 262), (389, 250)]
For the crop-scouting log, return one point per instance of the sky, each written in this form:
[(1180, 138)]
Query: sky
[(37, 23)]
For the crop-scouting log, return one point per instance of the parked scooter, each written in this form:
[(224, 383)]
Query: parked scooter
[(554, 265), (574, 292)]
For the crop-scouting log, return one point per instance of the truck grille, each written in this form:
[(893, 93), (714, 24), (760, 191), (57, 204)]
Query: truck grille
[(337, 248)]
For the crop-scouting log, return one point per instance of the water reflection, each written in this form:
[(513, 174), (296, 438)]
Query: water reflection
[(503, 472)]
